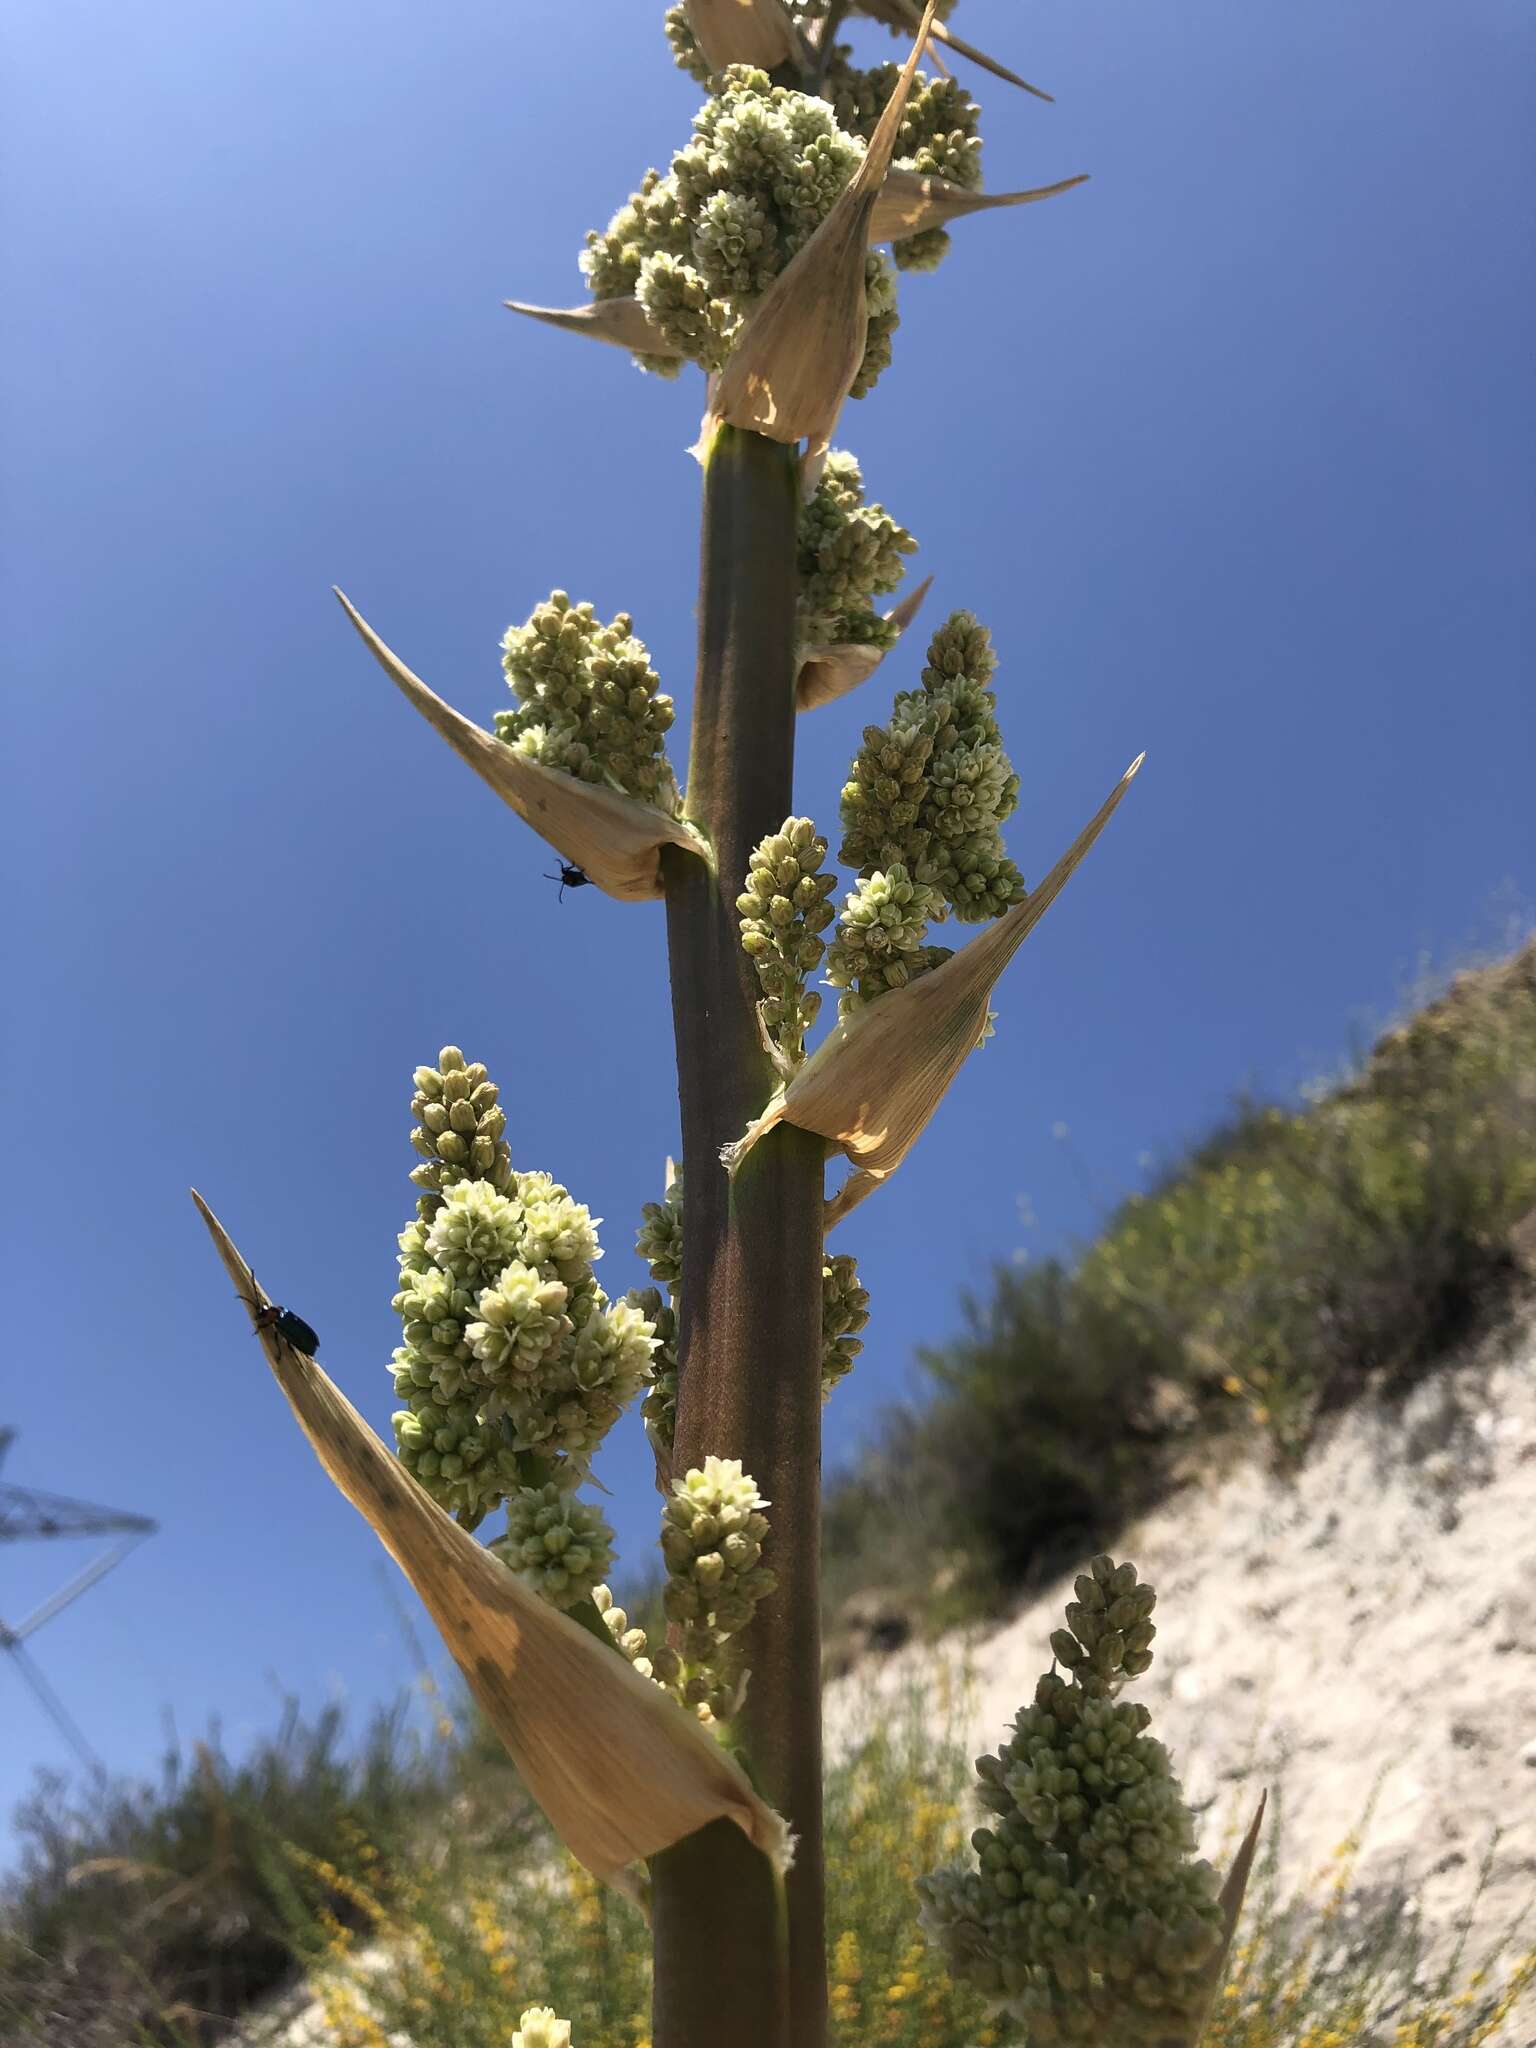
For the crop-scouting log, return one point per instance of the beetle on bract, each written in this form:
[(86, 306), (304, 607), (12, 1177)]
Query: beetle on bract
[(292, 1329), (570, 877)]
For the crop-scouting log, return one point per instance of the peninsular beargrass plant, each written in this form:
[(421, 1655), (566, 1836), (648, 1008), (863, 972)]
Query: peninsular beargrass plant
[(445, 1946), (688, 1771)]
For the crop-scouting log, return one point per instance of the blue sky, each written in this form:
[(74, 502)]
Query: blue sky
[(1231, 448)]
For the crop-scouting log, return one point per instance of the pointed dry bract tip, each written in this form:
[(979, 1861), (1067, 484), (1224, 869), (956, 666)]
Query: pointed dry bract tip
[(759, 32), (872, 1085), (620, 1769), (908, 12), (1236, 1886), (624, 322), (795, 360), (909, 202), (827, 673), (1230, 1904), (616, 839), (963, 49), (251, 1294)]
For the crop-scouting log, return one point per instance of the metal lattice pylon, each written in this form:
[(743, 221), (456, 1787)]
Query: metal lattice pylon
[(26, 1511)]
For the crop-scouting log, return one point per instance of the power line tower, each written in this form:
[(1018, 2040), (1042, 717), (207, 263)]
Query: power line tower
[(26, 1512)]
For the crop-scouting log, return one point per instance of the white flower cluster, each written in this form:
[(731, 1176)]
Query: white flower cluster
[(880, 932), (700, 245), (539, 2028), (938, 136), (712, 1534), (511, 1351)]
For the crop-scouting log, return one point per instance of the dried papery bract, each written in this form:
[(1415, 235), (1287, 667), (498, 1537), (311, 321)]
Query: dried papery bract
[(624, 322), (760, 32), (827, 673), (797, 358), (872, 1085), (616, 839), (1233, 1893), (909, 204), (904, 14), (621, 1771)]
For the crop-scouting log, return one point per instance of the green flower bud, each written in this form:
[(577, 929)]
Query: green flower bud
[(1066, 1649), (783, 910), (454, 1113), (659, 1240), (555, 1543), (699, 246), (847, 553), (938, 136), (465, 1465), (589, 702), (1086, 1917), (930, 790), (712, 1534), (659, 1408), (686, 53), (879, 934), (844, 1313)]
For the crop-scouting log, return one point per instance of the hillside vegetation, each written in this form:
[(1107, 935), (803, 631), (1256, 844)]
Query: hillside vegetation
[(1295, 1259), (1292, 1262)]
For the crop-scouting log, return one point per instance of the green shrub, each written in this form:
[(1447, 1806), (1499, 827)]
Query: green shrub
[(1292, 1259), (1309, 1254), (457, 1942), (152, 1911)]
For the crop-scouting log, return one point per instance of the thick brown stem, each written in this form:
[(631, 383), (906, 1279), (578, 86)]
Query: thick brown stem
[(749, 1383)]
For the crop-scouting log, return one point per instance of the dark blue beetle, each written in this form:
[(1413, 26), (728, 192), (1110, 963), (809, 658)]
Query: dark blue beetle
[(293, 1329)]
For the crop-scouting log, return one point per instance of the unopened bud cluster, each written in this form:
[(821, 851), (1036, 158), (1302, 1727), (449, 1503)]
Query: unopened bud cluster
[(699, 246), (880, 933), (659, 1408), (784, 910), (686, 54), (663, 1665), (510, 1346), (659, 1241), (712, 1533), (923, 810), (589, 702), (1086, 1916), (558, 1545), (844, 1313), (847, 553), (460, 1128), (939, 137)]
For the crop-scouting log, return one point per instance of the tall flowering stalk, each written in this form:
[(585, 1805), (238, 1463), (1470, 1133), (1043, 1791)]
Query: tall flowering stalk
[(766, 254)]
